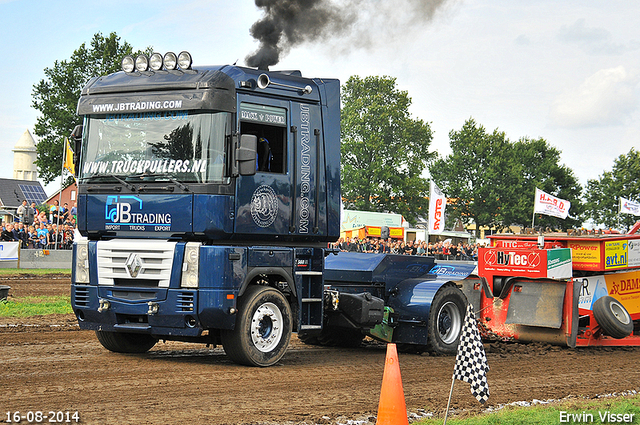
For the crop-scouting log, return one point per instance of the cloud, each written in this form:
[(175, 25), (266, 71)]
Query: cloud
[(607, 97), (593, 40)]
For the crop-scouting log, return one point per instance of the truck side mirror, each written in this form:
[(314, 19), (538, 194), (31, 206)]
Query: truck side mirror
[(76, 137), (246, 154)]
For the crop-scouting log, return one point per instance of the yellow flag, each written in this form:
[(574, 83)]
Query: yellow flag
[(68, 157)]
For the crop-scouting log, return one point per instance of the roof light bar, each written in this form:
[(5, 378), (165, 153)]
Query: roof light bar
[(157, 62)]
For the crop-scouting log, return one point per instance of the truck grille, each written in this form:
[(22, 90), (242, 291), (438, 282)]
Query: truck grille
[(135, 263), (185, 301), (82, 296)]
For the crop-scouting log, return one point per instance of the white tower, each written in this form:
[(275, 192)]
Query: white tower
[(24, 157)]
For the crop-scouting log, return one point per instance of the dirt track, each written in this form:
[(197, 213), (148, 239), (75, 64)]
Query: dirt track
[(50, 365)]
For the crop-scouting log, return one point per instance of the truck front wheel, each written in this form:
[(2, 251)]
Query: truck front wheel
[(126, 342), (263, 328), (445, 320)]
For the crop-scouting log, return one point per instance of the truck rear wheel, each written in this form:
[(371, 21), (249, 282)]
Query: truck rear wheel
[(612, 317), (445, 320), (126, 342), (263, 328)]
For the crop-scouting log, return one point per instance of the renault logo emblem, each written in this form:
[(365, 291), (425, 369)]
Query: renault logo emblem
[(134, 264)]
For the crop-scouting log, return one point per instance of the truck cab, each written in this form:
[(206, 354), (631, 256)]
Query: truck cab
[(205, 198)]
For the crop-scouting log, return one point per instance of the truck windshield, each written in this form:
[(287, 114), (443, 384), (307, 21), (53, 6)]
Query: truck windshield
[(184, 145)]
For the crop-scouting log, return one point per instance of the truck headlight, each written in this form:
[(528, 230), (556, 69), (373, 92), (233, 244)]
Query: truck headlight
[(170, 61), (190, 265), (128, 64), (184, 60), (155, 62), (142, 63), (82, 261)]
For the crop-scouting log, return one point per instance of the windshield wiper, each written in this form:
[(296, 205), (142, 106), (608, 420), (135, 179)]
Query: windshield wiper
[(159, 177), (125, 183)]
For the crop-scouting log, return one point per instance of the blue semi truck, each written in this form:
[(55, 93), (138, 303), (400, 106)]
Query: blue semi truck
[(207, 197)]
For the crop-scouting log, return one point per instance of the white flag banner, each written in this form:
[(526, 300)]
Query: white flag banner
[(629, 207), (437, 204), (8, 251), (550, 205)]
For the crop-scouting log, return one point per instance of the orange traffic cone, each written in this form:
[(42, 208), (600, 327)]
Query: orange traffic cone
[(392, 409)]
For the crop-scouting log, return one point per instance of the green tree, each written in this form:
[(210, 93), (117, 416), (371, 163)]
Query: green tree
[(384, 150), (603, 194), (541, 168), (491, 181), (56, 96), (480, 176)]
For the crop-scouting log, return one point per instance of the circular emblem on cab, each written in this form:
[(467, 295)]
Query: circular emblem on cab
[(264, 206)]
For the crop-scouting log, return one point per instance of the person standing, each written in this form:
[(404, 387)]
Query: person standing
[(30, 214), (54, 212), (7, 233), (22, 211)]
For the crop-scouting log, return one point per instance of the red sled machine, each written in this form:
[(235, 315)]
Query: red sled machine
[(558, 288)]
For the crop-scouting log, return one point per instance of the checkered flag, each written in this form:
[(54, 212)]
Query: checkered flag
[(471, 361)]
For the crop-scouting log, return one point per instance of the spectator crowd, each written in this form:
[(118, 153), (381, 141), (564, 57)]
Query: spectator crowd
[(50, 228), (54, 229), (443, 250)]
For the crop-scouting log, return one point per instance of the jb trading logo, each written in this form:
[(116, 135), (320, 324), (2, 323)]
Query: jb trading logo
[(127, 209), (117, 211)]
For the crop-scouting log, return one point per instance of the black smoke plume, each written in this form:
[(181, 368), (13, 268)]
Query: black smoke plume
[(287, 23)]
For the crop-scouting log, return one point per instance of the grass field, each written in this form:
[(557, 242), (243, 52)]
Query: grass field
[(39, 272), (605, 410), (35, 306)]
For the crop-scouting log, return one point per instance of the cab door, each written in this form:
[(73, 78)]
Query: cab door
[(263, 200)]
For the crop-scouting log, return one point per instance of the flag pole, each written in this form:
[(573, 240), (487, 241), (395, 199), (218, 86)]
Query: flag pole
[(446, 413), (533, 218), (64, 160)]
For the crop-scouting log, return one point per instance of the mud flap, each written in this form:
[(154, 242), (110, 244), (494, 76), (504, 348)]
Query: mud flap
[(536, 303), (384, 331)]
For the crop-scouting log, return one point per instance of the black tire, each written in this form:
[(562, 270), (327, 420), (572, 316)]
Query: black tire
[(126, 342), (446, 317), (612, 317), (263, 328)]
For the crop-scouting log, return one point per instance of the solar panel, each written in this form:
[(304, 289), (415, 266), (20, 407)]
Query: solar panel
[(33, 193)]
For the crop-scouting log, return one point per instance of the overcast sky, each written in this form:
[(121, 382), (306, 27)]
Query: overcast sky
[(567, 71)]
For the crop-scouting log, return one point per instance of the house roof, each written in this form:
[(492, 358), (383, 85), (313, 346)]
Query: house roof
[(13, 192)]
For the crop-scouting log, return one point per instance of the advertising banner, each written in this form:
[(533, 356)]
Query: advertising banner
[(586, 254), (550, 205), (629, 207), (633, 253), (437, 204), (531, 263), (615, 254), (8, 251), (623, 286)]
